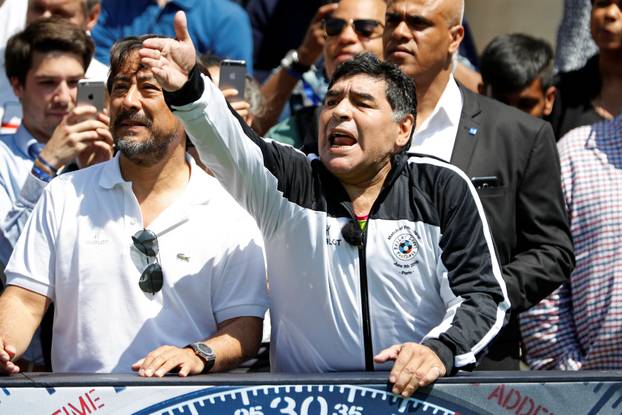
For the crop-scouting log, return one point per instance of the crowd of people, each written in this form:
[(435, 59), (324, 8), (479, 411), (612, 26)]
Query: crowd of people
[(391, 202)]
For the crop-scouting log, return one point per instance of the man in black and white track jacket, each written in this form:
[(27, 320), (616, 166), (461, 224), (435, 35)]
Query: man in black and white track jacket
[(373, 256)]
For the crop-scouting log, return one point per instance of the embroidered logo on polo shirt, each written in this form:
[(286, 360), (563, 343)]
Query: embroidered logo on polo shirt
[(183, 257), (98, 239)]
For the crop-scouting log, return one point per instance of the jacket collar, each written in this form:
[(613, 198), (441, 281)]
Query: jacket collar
[(468, 130)]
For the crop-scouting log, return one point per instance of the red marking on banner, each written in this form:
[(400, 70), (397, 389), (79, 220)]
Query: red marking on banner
[(87, 403), (517, 403)]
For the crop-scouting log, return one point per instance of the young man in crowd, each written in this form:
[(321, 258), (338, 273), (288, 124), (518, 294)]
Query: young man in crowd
[(149, 262), (83, 13), (44, 63), (518, 70)]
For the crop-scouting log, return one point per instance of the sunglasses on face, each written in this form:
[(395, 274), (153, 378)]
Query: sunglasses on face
[(151, 279), (413, 22), (333, 26)]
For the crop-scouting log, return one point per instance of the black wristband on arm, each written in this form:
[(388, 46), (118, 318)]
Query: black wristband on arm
[(190, 92), (443, 352)]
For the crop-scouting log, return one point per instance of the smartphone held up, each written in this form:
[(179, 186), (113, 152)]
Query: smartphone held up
[(93, 93), (233, 76)]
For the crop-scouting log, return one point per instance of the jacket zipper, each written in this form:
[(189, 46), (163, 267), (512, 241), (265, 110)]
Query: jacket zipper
[(367, 340)]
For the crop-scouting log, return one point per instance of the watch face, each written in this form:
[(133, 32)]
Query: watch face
[(204, 350)]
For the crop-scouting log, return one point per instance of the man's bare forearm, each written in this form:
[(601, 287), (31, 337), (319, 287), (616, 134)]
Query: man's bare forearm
[(21, 312), (236, 340), (276, 91)]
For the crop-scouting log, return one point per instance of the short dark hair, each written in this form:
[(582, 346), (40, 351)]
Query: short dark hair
[(511, 62), (51, 34), (400, 90), (121, 51)]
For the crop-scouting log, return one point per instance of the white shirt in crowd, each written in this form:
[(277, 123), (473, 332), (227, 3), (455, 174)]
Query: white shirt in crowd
[(436, 135), (77, 250)]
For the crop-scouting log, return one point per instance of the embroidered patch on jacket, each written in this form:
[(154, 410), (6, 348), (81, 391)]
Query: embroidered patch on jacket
[(404, 246)]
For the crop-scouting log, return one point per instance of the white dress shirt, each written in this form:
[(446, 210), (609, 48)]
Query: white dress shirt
[(436, 135)]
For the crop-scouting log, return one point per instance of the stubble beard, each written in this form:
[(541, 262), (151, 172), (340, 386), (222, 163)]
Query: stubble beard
[(145, 152)]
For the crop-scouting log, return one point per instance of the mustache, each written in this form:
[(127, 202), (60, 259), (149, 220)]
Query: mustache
[(131, 116)]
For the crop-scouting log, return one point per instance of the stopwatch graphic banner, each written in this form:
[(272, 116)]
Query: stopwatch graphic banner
[(317, 399)]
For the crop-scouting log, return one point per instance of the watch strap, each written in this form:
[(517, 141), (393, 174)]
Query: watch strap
[(292, 65), (208, 360)]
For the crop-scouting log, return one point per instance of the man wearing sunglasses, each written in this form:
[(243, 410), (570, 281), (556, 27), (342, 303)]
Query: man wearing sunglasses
[(377, 260), (339, 31), (151, 265), (510, 157)]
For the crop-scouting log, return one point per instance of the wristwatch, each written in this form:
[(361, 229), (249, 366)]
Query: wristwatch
[(292, 65), (205, 353)]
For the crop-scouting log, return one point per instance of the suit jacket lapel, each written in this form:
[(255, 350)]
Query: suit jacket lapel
[(468, 130)]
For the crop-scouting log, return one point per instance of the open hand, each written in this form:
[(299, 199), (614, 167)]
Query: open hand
[(170, 60)]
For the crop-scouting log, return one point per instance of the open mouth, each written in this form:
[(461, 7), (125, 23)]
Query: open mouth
[(341, 138)]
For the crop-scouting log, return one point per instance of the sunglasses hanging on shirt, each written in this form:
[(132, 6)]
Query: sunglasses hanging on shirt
[(151, 279)]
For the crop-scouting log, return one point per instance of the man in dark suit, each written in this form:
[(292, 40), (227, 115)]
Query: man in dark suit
[(510, 156)]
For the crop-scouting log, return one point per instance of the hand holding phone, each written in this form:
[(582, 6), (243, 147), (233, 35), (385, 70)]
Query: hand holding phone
[(233, 76)]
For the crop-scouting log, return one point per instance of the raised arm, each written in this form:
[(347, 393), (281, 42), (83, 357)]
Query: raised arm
[(264, 177)]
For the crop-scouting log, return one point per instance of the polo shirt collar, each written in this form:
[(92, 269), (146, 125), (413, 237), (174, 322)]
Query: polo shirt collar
[(196, 190), (111, 173)]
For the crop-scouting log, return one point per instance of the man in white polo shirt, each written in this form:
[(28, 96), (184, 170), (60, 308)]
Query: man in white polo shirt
[(150, 264)]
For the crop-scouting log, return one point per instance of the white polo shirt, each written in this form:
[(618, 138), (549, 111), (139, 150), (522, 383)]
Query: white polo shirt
[(77, 250)]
